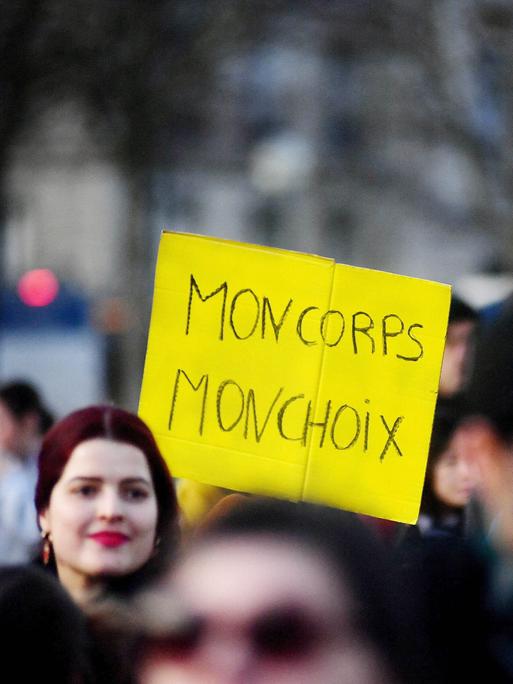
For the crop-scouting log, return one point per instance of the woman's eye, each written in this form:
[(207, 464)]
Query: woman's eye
[(85, 490), (136, 493)]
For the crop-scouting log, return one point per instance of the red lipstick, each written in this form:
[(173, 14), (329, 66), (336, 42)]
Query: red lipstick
[(110, 539)]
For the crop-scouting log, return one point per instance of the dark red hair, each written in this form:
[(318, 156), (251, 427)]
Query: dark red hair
[(117, 425)]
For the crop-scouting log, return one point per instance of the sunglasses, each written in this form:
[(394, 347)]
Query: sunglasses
[(279, 634)]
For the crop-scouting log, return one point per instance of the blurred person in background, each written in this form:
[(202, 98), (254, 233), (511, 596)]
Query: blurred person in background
[(278, 593), (451, 478), (106, 504), (24, 419), (468, 586), (456, 367), (458, 350), (489, 434), (436, 561)]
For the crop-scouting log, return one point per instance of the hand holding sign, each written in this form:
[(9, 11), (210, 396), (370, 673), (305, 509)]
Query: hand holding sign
[(287, 374)]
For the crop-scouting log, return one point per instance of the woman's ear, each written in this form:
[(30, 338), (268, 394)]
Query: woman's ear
[(43, 521)]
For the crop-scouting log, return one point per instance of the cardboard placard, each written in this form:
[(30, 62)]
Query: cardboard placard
[(289, 375)]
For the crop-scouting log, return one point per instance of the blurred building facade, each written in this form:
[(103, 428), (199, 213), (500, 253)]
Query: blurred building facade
[(378, 138)]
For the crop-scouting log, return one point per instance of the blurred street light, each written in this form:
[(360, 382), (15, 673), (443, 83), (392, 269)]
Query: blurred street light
[(38, 287), (282, 163)]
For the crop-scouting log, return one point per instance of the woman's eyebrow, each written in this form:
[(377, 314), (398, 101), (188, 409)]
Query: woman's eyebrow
[(88, 478), (98, 479), (136, 480)]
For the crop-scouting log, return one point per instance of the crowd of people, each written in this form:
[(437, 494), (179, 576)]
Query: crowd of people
[(108, 575)]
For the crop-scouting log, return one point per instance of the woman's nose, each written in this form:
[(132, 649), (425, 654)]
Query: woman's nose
[(110, 506)]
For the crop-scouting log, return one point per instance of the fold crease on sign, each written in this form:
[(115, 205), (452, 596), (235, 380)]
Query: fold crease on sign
[(308, 459)]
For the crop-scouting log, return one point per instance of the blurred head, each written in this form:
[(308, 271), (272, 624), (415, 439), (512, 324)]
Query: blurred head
[(451, 474), (489, 431), (278, 592), (105, 499), (458, 345), (23, 418), (41, 627)]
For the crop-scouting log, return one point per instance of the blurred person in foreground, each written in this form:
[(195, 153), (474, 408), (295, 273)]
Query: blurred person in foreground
[(24, 419), (458, 352), (42, 632), (278, 593)]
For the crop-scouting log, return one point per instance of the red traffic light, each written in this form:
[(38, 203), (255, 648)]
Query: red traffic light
[(38, 287)]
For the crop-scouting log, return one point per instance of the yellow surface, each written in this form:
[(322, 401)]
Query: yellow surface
[(285, 374), (196, 499)]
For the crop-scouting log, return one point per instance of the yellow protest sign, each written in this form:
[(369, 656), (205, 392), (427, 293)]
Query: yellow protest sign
[(287, 374)]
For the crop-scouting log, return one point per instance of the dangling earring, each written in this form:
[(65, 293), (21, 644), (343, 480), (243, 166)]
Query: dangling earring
[(156, 545), (47, 547)]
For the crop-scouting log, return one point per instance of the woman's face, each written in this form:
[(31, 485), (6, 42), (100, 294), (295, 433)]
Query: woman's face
[(454, 475), (269, 611), (102, 515)]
